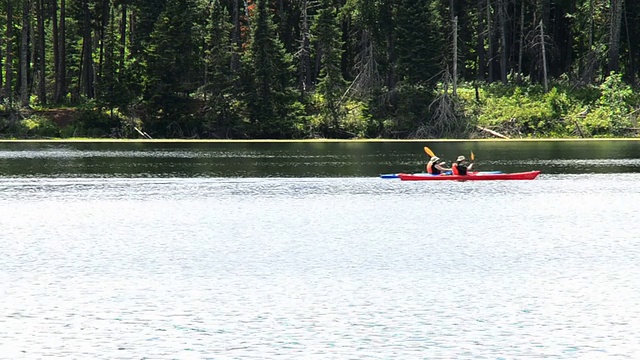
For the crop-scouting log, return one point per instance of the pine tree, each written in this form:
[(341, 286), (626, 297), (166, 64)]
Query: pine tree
[(171, 62), (418, 44), (329, 50), (218, 50), (218, 89), (269, 73)]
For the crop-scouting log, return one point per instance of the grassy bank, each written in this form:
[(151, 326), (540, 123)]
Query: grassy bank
[(563, 111)]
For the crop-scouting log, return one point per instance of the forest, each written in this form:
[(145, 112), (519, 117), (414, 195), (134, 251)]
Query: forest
[(297, 69)]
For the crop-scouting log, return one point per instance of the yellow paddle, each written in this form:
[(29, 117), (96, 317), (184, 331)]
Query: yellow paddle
[(428, 151), (473, 156)]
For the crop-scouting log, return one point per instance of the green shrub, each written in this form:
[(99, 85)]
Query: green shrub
[(610, 113), (356, 119), (93, 122), (37, 126)]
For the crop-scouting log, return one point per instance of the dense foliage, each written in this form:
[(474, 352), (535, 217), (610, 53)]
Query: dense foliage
[(319, 68)]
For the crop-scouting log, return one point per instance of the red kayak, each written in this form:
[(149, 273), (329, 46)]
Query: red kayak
[(529, 175)]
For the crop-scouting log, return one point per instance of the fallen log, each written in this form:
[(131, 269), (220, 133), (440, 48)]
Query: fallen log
[(142, 133), (494, 133)]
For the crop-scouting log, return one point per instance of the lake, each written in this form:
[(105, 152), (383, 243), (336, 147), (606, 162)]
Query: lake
[(306, 159), (262, 250)]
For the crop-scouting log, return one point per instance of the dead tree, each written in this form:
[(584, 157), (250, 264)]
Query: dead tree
[(368, 76), (614, 34), (541, 46), (304, 54), (455, 56)]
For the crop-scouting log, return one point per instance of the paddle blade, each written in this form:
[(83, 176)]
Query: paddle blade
[(473, 156), (428, 151)]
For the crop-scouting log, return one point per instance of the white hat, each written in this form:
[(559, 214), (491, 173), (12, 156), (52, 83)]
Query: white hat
[(461, 158)]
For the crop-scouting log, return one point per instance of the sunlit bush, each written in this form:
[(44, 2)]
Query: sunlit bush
[(38, 126)]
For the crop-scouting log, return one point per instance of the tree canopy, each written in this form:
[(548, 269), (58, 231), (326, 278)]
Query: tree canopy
[(308, 68)]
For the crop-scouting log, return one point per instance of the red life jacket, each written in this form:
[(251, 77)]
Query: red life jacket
[(459, 169), (454, 169)]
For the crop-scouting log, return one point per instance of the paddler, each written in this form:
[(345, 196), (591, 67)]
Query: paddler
[(461, 166), (436, 167)]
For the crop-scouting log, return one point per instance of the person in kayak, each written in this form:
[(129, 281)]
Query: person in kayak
[(460, 166), (436, 167)]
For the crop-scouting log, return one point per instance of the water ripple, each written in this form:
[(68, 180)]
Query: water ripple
[(331, 268)]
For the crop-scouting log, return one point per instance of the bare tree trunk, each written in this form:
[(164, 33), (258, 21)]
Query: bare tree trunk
[(131, 22), (391, 46), (614, 35), (123, 35), (61, 69), (56, 50), (42, 90), (103, 36), (503, 40), (632, 60), (110, 54), (455, 56), (33, 44), (544, 57), (24, 55), (86, 71), (235, 37), (305, 51), (591, 25), (480, 45), (591, 56), (491, 41), (9, 55), (63, 48), (521, 45), (452, 10)]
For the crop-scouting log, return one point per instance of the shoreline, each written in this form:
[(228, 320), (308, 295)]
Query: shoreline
[(195, 141)]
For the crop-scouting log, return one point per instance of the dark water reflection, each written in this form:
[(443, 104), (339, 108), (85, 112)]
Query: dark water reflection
[(306, 159)]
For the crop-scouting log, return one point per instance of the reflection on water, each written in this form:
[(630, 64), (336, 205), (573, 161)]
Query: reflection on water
[(324, 268), (306, 159)]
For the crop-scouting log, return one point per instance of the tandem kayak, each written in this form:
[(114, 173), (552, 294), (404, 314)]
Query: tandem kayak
[(396, 176), (528, 175)]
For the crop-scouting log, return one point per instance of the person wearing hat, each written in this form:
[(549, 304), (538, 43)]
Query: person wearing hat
[(460, 166), (435, 166)]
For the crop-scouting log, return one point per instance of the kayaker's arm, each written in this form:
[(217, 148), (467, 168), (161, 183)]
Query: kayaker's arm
[(441, 167)]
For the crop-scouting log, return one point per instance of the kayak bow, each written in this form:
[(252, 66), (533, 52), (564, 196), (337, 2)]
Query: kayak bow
[(528, 175)]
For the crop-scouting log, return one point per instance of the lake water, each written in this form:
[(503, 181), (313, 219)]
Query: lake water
[(300, 251)]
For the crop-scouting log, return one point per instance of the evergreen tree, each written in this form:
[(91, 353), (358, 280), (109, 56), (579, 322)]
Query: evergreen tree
[(269, 73), (171, 62), (218, 89), (144, 14), (174, 54), (418, 44), (419, 61), (329, 50)]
